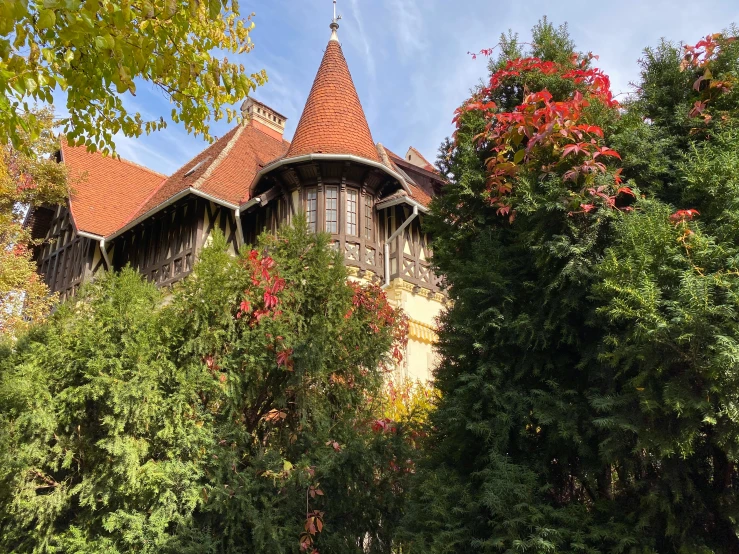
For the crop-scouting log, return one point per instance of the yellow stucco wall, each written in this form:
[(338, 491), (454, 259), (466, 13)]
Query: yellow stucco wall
[(422, 308)]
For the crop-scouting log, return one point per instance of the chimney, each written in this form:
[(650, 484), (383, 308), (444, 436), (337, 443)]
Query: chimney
[(264, 118)]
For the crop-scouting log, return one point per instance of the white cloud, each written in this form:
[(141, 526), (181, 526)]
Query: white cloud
[(363, 39), (407, 19), (136, 151), (409, 58)]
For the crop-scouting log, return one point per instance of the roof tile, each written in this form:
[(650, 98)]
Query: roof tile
[(333, 121), (225, 169), (105, 191), (417, 193)]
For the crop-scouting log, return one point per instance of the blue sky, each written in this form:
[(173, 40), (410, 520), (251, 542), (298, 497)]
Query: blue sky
[(409, 58)]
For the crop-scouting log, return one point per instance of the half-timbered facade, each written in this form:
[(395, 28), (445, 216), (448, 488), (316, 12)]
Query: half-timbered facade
[(371, 201)]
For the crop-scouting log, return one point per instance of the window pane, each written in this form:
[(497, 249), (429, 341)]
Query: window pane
[(368, 217), (332, 210), (351, 212), (311, 208)]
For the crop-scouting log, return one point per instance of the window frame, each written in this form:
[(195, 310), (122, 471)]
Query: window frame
[(311, 207), (352, 212), (368, 219), (331, 207)]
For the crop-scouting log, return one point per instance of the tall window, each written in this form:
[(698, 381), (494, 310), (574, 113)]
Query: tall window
[(351, 212), (368, 217), (311, 209), (332, 210)]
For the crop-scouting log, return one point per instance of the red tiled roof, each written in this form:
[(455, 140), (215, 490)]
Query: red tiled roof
[(105, 191), (333, 120), (178, 181), (416, 192), (225, 169), (233, 177), (393, 155)]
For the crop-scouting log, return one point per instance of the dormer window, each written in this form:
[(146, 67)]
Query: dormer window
[(194, 168)]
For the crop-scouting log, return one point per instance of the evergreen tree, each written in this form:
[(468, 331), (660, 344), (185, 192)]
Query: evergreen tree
[(668, 291), (587, 382), (243, 414)]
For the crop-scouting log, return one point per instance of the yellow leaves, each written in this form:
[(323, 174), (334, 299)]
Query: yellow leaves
[(408, 401), (170, 8), (125, 7), (215, 71), (35, 53), (86, 49), (46, 19), (26, 179), (30, 83), (147, 9), (21, 34)]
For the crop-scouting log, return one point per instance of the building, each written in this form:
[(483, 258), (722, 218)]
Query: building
[(370, 200)]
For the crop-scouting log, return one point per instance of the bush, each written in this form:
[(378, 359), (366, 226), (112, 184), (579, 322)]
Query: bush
[(236, 416)]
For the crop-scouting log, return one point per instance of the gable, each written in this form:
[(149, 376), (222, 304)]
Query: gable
[(225, 170)]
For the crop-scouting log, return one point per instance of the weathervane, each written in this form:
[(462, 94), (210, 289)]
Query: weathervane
[(335, 24), (336, 18)]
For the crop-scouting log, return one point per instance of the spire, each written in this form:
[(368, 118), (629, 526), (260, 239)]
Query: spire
[(333, 121), (335, 25)]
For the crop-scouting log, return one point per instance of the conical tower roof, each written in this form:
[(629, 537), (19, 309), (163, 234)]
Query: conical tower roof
[(333, 120)]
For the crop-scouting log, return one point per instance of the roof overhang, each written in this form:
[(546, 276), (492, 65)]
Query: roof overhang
[(325, 158), (382, 204), (413, 167), (90, 236), (169, 202)]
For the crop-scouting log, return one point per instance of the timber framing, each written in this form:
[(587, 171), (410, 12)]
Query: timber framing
[(359, 204), (66, 256)]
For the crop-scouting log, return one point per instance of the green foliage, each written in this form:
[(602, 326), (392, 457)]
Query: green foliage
[(237, 416), (588, 389), (96, 51), (26, 180), (669, 296), (659, 128)]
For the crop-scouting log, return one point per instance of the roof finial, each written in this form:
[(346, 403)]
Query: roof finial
[(335, 25)]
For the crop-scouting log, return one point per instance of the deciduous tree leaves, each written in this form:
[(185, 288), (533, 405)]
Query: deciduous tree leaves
[(96, 51)]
